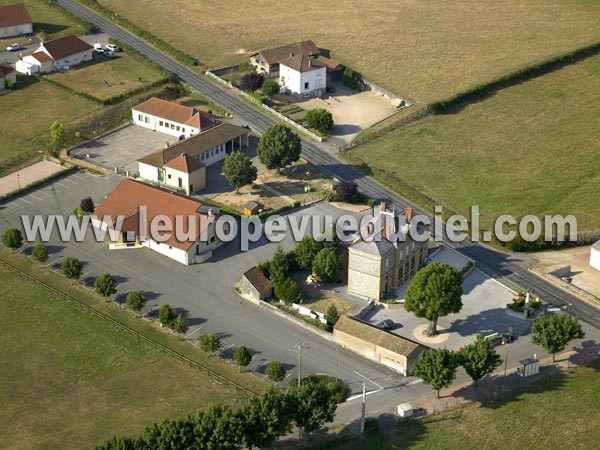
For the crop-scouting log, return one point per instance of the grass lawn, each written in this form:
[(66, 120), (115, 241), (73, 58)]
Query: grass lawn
[(52, 21), (424, 50), (123, 73), (70, 380), (318, 299), (529, 149)]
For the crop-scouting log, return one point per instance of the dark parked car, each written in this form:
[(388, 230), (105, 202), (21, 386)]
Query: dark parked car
[(386, 324)]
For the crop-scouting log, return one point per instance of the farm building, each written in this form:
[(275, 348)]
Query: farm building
[(378, 345), (14, 20), (251, 208), (256, 285), (128, 212), (595, 255), (59, 54), (172, 119), (8, 76)]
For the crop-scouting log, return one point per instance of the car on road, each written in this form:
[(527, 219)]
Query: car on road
[(109, 54), (112, 47), (386, 324), (13, 47)]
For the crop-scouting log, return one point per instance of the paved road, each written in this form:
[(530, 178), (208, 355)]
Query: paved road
[(512, 268)]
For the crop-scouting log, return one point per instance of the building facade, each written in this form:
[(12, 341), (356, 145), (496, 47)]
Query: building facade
[(14, 21), (302, 76), (59, 54), (595, 256), (8, 76)]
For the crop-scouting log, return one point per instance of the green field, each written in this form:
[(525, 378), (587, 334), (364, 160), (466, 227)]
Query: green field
[(69, 380), (123, 74), (558, 412), (528, 149)]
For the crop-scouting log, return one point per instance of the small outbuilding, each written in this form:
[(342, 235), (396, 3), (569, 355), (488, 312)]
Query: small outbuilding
[(8, 76), (251, 208), (256, 285), (595, 255)]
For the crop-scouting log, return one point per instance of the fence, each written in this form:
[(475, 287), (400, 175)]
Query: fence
[(125, 328), (296, 125)]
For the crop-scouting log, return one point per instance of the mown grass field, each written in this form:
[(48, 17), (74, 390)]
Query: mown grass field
[(123, 73), (70, 380), (529, 149), (554, 413), (425, 50)]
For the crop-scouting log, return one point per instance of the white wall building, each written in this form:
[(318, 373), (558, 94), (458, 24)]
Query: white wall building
[(14, 21), (8, 76), (302, 76), (59, 54), (595, 255), (170, 118)]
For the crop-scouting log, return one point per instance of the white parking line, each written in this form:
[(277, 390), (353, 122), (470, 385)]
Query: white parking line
[(62, 185), (15, 204), (44, 193), (37, 198), (55, 261), (85, 274), (69, 181), (195, 331), (26, 201)]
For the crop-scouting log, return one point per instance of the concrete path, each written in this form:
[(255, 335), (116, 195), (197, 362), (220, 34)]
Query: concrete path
[(28, 175)]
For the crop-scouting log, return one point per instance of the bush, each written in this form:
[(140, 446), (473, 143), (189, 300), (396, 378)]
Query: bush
[(275, 371), (246, 67), (39, 252), (336, 387), (287, 290), (332, 315), (350, 79), (258, 98), (12, 238), (270, 88), (327, 265), (319, 119), (71, 267), (329, 196), (252, 81), (346, 191), (87, 205), (167, 315)]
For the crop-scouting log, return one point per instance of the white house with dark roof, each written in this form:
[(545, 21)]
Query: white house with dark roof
[(14, 20), (58, 54), (8, 76), (595, 255), (170, 118), (302, 76)]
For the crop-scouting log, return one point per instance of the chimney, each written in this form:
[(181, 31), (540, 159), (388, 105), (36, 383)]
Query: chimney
[(408, 212), (383, 207), (291, 54), (210, 213)]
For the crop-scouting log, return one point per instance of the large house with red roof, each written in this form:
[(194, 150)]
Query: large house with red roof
[(170, 118), (130, 215), (14, 20), (58, 54)]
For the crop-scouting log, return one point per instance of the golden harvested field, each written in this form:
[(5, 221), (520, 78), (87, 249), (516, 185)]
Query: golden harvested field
[(426, 50)]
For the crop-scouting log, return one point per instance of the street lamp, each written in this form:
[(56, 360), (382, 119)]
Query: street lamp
[(19, 180)]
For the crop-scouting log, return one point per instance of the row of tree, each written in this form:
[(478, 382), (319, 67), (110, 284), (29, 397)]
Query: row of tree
[(260, 422)]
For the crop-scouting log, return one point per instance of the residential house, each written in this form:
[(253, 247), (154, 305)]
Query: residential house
[(378, 267), (595, 255), (59, 54), (255, 285), (182, 165), (8, 76), (128, 213), (170, 118), (302, 76), (14, 20), (383, 347)]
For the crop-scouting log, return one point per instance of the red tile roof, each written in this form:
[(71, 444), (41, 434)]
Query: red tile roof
[(256, 278), (185, 163), (130, 195), (301, 63), (12, 15), (176, 113), (275, 55), (41, 57), (66, 46), (5, 69)]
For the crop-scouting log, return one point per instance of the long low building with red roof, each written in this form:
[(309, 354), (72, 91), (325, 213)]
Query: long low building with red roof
[(14, 20), (133, 213)]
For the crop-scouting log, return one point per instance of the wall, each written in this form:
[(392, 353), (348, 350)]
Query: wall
[(73, 60), (16, 30), (169, 251), (148, 172), (363, 275), (595, 258), (213, 155), (154, 123)]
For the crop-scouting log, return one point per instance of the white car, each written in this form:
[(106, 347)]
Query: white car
[(98, 48), (13, 47), (112, 47)]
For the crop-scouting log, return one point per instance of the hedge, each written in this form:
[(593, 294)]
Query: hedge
[(518, 76)]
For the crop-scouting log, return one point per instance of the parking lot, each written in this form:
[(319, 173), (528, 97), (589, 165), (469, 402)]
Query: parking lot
[(203, 292), (122, 147), (28, 175)]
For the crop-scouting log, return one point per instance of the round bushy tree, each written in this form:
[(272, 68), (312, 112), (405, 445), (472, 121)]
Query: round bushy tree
[(12, 238), (87, 205), (327, 265), (275, 371), (210, 343), (105, 285), (71, 267), (319, 119), (39, 252), (270, 88), (166, 315), (242, 356), (287, 290), (239, 170), (279, 147), (135, 300), (251, 81)]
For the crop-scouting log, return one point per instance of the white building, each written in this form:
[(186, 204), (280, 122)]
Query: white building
[(170, 118), (8, 76), (128, 212), (595, 255), (302, 76), (14, 21), (59, 54)]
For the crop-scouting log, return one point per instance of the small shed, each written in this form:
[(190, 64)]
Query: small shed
[(405, 410), (256, 285), (529, 366), (251, 208)]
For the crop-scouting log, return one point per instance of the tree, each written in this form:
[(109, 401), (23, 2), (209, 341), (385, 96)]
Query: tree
[(287, 290), (346, 191), (58, 136), (239, 170), (327, 265), (251, 81), (264, 419), (270, 88), (280, 267), (435, 291), (305, 252), (319, 119), (279, 147), (105, 285), (217, 427), (135, 300), (311, 404), (553, 333), (87, 205), (39, 252), (170, 434), (123, 443), (12, 238), (479, 358), (180, 324), (242, 356), (275, 371), (210, 343), (166, 315), (71, 267), (436, 367), (332, 315)]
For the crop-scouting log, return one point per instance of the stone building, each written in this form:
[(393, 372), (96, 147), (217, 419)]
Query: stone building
[(378, 267)]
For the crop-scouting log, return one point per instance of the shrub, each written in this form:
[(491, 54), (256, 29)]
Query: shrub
[(319, 119), (275, 371), (336, 387), (350, 79), (332, 315), (327, 265), (252, 81), (87, 205), (329, 196), (287, 290), (346, 191), (270, 88), (167, 315), (246, 67), (71, 267), (39, 252), (12, 238), (105, 285)]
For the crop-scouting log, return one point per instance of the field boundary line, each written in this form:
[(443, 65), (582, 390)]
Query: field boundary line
[(127, 329)]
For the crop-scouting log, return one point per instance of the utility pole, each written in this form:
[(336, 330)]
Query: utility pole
[(300, 347), (364, 401)]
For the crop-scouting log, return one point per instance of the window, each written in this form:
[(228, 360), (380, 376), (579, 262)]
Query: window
[(167, 124), (182, 129), (178, 128), (161, 123), (201, 156), (306, 85), (140, 117), (179, 182), (172, 126), (147, 119), (169, 176), (213, 239)]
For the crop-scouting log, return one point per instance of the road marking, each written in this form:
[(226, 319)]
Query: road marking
[(69, 181), (354, 397), (44, 193), (37, 198), (16, 204), (195, 331), (85, 274), (62, 185), (26, 201)]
